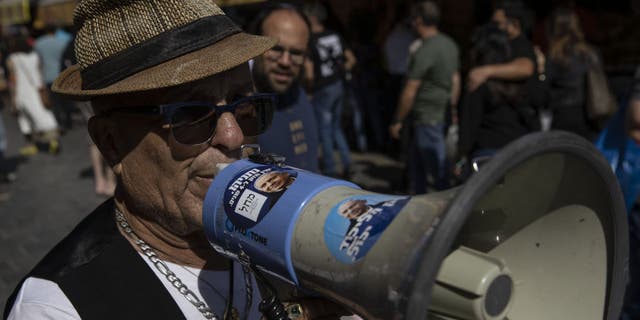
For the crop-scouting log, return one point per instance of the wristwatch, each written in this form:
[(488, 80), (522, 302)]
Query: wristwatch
[(294, 310)]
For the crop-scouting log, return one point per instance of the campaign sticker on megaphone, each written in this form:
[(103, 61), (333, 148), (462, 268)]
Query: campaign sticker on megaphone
[(253, 192), (355, 224)]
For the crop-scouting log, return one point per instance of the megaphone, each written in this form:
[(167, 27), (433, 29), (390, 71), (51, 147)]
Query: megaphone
[(539, 232)]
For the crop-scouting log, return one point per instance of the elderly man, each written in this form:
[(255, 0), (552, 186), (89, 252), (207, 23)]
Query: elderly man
[(293, 134), (172, 95)]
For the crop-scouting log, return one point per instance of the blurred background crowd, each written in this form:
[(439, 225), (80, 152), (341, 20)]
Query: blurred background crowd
[(512, 67), (436, 87)]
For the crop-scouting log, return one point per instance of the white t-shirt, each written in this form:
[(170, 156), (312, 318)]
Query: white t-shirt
[(40, 299)]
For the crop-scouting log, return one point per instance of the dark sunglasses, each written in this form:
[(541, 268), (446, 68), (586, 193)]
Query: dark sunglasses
[(194, 122)]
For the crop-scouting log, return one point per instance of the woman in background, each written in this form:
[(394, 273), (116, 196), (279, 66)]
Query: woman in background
[(569, 59), (36, 122)]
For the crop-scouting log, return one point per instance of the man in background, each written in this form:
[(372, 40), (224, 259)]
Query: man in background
[(50, 47), (325, 72), (293, 133), (432, 85)]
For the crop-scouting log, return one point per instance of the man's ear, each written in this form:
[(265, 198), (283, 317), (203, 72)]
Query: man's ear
[(102, 132)]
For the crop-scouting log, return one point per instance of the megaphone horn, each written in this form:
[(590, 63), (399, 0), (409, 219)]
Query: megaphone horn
[(538, 233)]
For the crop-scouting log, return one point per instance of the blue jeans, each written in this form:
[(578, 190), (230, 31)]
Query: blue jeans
[(328, 102), (428, 158)]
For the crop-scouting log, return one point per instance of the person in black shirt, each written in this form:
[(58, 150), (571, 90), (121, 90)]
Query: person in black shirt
[(509, 18), (324, 71), (489, 117)]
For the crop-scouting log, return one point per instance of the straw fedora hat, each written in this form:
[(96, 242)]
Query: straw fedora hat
[(137, 45)]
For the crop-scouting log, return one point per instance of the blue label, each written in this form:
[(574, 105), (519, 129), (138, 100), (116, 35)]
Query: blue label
[(253, 192), (355, 224)]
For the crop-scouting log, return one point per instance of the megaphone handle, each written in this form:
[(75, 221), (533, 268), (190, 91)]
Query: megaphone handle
[(272, 309), (270, 306)]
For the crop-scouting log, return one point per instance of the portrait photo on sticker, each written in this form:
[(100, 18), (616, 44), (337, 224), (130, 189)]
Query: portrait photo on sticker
[(355, 224), (253, 192)]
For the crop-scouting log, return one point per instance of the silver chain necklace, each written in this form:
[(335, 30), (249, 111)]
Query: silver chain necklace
[(207, 312)]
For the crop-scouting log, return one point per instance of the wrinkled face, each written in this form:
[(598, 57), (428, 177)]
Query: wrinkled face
[(353, 209), (278, 68), (272, 182), (160, 179)]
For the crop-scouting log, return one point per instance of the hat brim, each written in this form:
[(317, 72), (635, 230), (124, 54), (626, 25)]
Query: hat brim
[(218, 57)]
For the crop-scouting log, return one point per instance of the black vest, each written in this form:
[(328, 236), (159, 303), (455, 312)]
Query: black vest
[(102, 275)]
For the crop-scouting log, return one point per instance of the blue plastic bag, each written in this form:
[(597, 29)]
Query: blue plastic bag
[(623, 155)]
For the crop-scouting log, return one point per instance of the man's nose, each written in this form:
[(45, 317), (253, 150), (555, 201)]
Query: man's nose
[(228, 132), (285, 58)]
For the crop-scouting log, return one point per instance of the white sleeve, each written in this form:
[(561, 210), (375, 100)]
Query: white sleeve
[(42, 299)]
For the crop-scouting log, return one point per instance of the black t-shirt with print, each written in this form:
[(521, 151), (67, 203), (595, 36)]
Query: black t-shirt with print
[(326, 50)]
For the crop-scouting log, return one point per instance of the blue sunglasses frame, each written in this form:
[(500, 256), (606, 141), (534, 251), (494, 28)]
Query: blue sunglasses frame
[(264, 104)]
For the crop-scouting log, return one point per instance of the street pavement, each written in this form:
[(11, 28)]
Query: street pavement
[(53, 193)]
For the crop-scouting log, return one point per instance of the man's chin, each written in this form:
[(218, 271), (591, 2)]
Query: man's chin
[(280, 87)]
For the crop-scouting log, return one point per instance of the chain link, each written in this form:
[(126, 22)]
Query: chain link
[(245, 262), (207, 312)]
